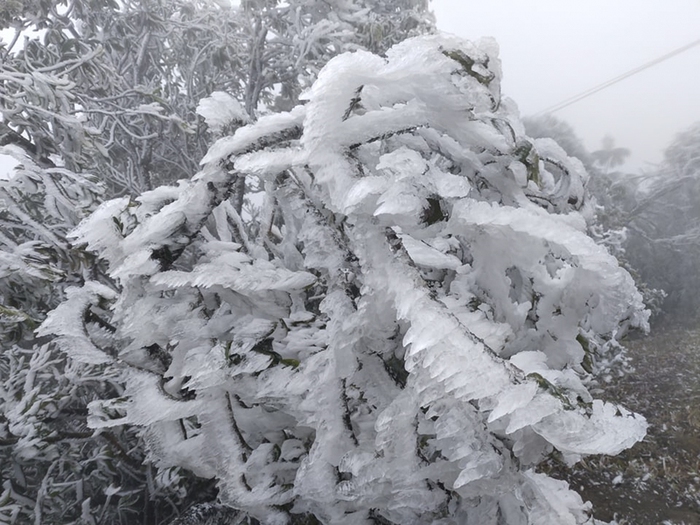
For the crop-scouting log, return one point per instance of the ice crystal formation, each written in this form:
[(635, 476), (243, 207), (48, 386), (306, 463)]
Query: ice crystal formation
[(402, 330)]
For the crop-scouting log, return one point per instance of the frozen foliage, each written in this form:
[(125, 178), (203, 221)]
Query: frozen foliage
[(53, 469), (550, 126), (221, 109), (113, 87), (46, 449), (614, 195), (407, 329)]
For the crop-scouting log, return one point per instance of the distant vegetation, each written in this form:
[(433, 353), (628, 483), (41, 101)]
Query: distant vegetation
[(656, 215)]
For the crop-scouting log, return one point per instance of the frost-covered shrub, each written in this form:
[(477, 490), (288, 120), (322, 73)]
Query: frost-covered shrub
[(402, 336), (615, 194), (48, 464), (52, 467)]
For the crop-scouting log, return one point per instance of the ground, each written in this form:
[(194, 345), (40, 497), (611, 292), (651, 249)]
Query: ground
[(658, 480)]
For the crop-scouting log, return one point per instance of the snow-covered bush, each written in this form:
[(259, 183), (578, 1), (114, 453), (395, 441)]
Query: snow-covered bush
[(52, 467), (45, 445), (615, 194), (403, 335)]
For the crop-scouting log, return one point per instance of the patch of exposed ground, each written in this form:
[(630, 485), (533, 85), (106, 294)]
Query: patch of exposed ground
[(658, 480)]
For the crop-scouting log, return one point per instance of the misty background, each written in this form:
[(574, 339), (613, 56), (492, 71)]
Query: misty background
[(553, 50)]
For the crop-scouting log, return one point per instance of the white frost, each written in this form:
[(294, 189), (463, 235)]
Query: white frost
[(220, 109)]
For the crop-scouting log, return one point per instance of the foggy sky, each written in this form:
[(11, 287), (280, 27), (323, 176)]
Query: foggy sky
[(554, 49)]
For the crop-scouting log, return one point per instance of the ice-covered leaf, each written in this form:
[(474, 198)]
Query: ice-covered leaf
[(425, 255), (249, 136), (609, 429), (232, 270), (512, 399), (220, 109), (101, 231), (66, 323)]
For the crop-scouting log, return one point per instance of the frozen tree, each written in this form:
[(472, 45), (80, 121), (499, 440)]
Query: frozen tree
[(610, 156), (52, 467), (682, 157), (112, 87), (404, 333), (52, 470), (47, 456), (664, 223), (108, 92), (38, 206)]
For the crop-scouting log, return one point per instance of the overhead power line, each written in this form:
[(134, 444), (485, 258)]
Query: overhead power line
[(604, 85)]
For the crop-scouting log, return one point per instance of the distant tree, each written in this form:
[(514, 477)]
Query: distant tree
[(402, 336), (609, 156), (682, 157), (664, 226)]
